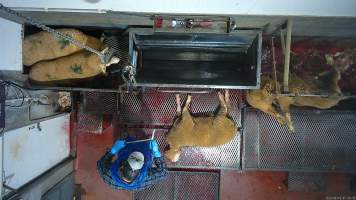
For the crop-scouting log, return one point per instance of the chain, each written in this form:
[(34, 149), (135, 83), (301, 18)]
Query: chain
[(54, 32), (128, 76)]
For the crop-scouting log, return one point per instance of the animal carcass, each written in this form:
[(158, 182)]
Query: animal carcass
[(69, 69), (207, 131), (268, 101), (45, 46)]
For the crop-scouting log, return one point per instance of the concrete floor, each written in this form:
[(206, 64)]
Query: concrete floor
[(233, 185)]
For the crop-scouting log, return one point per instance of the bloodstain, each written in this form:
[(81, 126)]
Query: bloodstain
[(307, 59), (66, 127)]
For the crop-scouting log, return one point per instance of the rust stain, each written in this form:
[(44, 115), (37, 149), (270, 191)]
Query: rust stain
[(15, 148), (66, 127)]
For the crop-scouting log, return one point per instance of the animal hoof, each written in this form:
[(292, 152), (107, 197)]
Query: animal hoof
[(221, 97), (189, 99), (281, 121), (291, 129), (227, 95), (178, 98)]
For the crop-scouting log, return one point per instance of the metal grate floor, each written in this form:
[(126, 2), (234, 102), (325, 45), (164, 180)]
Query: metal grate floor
[(88, 122), (159, 108), (181, 185), (306, 182), (99, 102), (226, 156), (324, 141)]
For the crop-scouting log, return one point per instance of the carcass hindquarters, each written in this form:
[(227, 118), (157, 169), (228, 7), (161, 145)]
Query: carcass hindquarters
[(265, 99)]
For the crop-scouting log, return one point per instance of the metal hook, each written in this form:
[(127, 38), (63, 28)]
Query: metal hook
[(145, 140)]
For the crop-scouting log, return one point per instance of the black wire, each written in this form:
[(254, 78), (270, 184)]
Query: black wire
[(17, 96), (18, 88), (22, 96), (21, 90)]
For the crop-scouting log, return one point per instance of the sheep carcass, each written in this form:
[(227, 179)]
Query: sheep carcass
[(207, 131)]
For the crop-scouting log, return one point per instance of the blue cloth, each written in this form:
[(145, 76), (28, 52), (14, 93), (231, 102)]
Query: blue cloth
[(149, 173), (154, 148), (119, 144)]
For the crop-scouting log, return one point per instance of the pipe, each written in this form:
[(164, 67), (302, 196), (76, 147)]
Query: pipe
[(283, 43), (185, 91), (287, 56), (274, 67)]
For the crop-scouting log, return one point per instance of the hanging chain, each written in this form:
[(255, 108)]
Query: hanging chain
[(58, 34), (128, 75)]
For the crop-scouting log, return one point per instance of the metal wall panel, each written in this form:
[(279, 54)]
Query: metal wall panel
[(11, 42), (183, 185), (33, 149), (227, 7), (31, 111)]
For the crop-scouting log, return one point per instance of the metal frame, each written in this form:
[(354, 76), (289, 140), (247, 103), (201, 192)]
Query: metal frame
[(216, 175), (228, 7), (138, 110), (18, 117), (145, 31), (252, 148), (39, 186)]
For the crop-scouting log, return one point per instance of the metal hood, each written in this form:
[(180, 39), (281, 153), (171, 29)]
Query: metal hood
[(196, 60)]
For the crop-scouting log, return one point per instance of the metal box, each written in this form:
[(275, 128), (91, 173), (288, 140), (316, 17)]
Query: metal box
[(196, 60)]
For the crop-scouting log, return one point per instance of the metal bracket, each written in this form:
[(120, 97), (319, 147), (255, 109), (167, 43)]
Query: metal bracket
[(287, 56)]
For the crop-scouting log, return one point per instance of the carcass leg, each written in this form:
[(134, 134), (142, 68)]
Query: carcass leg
[(223, 106), (269, 109), (187, 103), (262, 101), (173, 154), (284, 103), (179, 107), (186, 117), (227, 100)]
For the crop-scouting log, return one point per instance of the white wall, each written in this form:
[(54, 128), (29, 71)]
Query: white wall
[(11, 45), (224, 7), (29, 152)]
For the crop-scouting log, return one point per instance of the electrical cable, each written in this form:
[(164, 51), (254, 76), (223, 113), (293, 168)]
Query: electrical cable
[(18, 90)]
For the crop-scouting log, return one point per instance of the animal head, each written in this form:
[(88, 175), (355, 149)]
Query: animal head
[(268, 86)]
